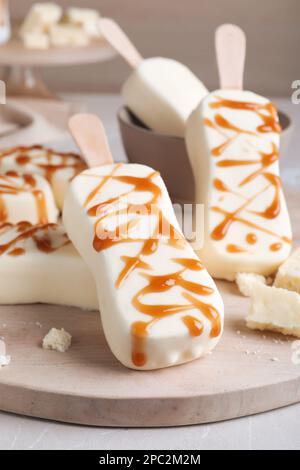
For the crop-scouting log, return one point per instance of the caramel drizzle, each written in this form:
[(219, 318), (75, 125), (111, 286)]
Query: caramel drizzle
[(251, 238), (268, 115), (10, 186), (267, 112), (164, 232), (47, 168), (235, 249), (40, 234)]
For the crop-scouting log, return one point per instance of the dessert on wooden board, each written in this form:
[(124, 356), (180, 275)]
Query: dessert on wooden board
[(38, 264), (26, 197), (58, 168), (233, 140), (159, 306)]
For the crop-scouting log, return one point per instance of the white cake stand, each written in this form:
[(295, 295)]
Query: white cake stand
[(23, 73)]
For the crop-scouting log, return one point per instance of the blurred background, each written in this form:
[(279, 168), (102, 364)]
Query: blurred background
[(184, 30)]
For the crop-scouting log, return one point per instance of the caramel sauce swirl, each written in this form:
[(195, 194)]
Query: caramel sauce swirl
[(251, 238), (45, 161), (13, 184), (269, 124), (231, 248), (41, 235), (164, 233), (267, 112)]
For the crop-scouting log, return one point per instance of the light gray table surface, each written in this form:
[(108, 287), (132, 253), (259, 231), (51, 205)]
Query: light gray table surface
[(278, 429)]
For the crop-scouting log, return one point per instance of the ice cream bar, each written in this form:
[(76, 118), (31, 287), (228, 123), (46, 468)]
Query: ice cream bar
[(233, 144), (57, 167), (39, 264), (26, 197), (159, 307), (160, 92)]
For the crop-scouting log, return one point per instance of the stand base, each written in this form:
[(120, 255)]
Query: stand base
[(27, 82)]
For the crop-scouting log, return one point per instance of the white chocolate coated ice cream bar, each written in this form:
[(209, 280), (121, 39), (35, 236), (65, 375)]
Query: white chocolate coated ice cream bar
[(159, 306), (233, 142)]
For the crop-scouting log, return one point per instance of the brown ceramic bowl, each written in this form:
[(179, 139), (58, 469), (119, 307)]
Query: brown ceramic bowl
[(168, 155)]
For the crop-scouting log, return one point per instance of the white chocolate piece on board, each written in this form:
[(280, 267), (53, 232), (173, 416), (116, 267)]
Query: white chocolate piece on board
[(57, 167), (159, 306), (275, 310), (36, 40), (57, 340), (288, 275), (38, 264), (246, 282), (40, 17), (86, 18), (63, 35), (26, 197), (162, 93), (233, 144)]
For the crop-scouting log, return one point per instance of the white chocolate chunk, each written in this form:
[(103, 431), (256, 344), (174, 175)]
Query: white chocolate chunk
[(288, 276), (57, 340), (159, 307), (63, 35), (57, 167), (275, 310), (162, 93), (86, 18), (246, 282), (26, 197), (233, 144), (36, 40), (38, 264), (40, 17)]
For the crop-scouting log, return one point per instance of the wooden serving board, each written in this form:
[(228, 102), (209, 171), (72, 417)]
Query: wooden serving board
[(249, 372)]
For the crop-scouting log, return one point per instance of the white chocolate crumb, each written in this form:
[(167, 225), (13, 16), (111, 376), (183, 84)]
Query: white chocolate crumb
[(275, 359), (57, 340)]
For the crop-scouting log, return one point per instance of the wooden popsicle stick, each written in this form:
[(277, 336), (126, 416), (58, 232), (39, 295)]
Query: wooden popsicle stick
[(231, 53), (120, 41), (90, 136)]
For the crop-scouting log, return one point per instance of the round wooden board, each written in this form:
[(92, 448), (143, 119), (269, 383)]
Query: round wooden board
[(88, 386)]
